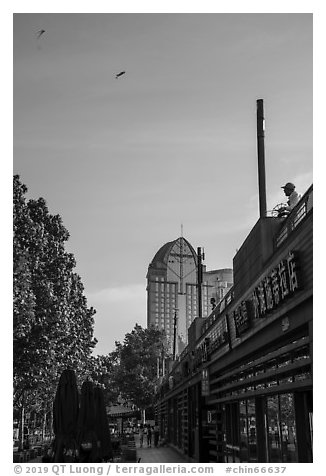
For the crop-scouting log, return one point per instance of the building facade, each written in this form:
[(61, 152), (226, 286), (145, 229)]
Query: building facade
[(172, 290), (241, 391)]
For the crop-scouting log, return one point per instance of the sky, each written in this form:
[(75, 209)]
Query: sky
[(127, 161)]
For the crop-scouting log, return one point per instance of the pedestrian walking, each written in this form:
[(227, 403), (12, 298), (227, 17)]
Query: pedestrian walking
[(156, 434), (141, 435), (149, 436)]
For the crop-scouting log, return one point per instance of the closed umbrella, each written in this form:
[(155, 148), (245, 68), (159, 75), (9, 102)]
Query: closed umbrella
[(102, 427), (86, 433), (65, 416)]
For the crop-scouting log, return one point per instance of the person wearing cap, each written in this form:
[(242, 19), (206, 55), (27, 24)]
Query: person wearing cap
[(294, 197)]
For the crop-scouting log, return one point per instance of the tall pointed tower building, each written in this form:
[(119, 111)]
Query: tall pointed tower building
[(172, 290)]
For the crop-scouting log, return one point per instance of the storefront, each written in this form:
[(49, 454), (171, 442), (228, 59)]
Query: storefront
[(266, 407), (242, 389)]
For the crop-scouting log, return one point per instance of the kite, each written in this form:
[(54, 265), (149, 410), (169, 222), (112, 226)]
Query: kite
[(40, 33), (119, 74)]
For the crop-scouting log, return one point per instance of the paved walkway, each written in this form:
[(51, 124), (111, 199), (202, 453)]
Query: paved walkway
[(162, 454)]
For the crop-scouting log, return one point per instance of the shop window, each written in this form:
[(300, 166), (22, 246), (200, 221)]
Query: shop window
[(241, 435), (252, 430), (281, 429), (288, 429), (232, 433), (273, 429), (244, 449)]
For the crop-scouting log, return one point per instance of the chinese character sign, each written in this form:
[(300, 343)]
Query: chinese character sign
[(276, 286), (241, 317), (292, 265)]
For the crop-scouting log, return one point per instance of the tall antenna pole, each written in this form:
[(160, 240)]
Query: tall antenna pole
[(261, 157), (181, 265), (199, 281), (174, 333)]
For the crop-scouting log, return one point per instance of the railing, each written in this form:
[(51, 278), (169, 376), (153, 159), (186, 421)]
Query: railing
[(299, 212), (221, 306)]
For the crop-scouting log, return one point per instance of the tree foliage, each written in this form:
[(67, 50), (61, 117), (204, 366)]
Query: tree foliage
[(134, 364), (52, 325)]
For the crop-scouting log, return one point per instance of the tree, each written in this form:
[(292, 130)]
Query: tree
[(52, 325), (134, 370), (101, 372)]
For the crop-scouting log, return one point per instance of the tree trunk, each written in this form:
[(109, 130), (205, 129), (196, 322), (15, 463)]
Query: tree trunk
[(44, 426), (51, 424), (21, 428)]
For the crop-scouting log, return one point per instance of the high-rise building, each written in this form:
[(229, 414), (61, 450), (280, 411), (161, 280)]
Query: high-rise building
[(216, 285), (172, 291)]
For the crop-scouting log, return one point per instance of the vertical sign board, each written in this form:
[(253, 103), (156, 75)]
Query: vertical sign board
[(204, 383)]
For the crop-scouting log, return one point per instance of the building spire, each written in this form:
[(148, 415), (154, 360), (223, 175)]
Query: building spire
[(181, 261)]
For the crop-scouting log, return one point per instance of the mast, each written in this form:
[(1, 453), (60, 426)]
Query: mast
[(199, 281), (261, 157), (181, 262)]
